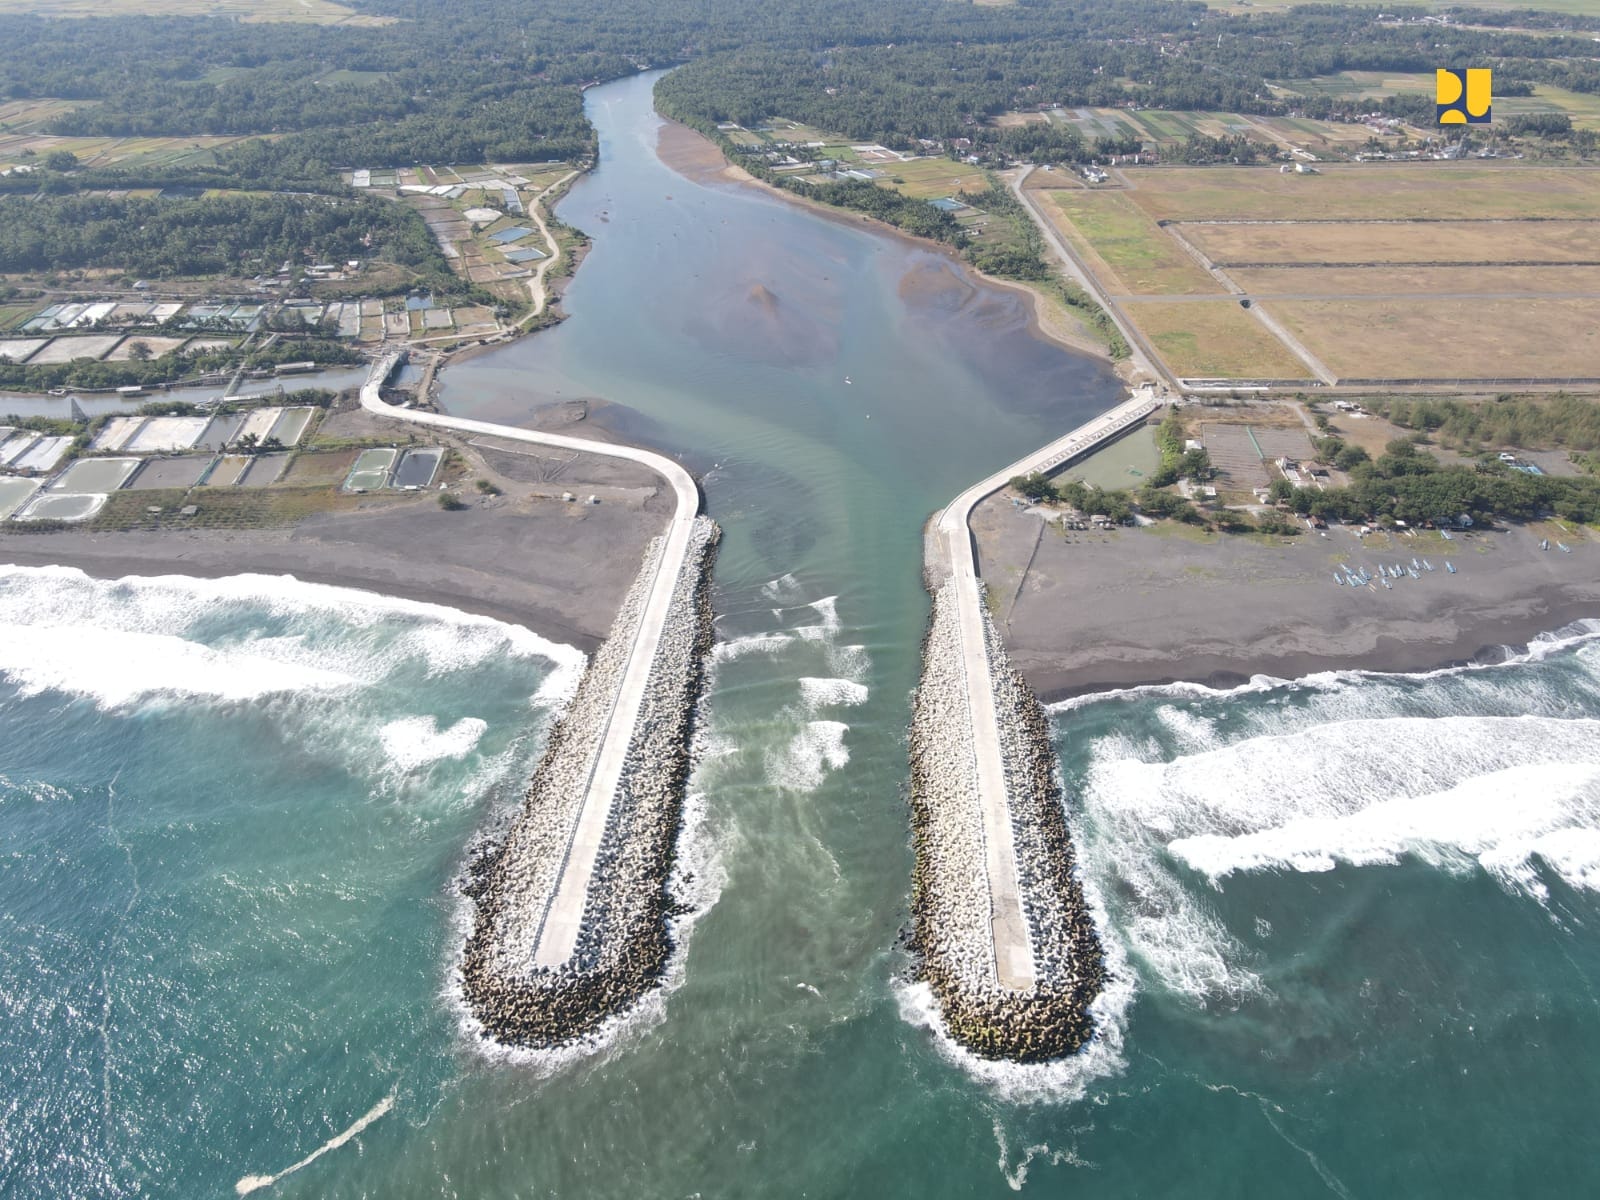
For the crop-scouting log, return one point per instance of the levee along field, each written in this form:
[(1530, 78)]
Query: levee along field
[(1420, 272)]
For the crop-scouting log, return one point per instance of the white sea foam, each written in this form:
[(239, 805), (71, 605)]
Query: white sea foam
[(251, 1183), (805, 761), (116, 667), (1501, 819), (755, 643), (1016, 1177), (1504, 794), (1064, 1080), (830, 693), (411, 742), (1580, 633), (827, 609), (149, 636)]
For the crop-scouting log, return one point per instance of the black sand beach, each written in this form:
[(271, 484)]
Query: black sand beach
[(1086, 611)]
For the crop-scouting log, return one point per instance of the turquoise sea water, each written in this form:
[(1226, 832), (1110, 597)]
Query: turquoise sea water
[(1353, 919)]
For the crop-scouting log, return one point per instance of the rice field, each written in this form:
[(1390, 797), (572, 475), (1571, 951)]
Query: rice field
[(934, 178), (1214, 339), (1138, 257), (1432, 191), (1476, 338), (1415, 281), (1442, 242)]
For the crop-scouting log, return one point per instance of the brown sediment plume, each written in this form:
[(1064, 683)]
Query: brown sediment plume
[(625, 942)]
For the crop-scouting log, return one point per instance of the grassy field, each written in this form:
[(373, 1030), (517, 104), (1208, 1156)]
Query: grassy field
[(30, 116), (1214, 339), (1355, 242), (1350, 85), (1439, 339), (1165, 127), (15, 314), (1422, 190), (104, 152), (1139, 259), (933, 178), (315, 12), (1414, 281)]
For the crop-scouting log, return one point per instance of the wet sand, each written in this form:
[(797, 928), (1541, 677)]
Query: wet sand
[(526, 556), (1083, 611), (699, 159)]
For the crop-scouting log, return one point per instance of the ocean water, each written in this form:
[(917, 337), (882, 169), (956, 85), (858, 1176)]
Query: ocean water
[(1352, 919)]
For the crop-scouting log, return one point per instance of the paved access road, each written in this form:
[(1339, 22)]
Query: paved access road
[(561, 925), (1013, 949)]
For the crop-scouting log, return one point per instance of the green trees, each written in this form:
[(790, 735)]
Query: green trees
[(237, 234)]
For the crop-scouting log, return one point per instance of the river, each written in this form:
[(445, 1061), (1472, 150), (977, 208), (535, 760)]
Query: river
[(1343, 965)]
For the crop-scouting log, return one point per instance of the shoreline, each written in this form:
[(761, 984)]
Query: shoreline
[(1083, 612), (1482, 647), (700, 160)]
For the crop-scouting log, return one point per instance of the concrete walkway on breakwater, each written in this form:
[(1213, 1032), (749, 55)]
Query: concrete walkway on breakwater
[(1013, 949), (562, 923)]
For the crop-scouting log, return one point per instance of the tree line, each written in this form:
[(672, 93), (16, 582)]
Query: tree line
[(227, 234)]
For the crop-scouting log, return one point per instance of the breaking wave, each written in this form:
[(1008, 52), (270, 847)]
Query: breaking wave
[(1190, 786), (238, 638)]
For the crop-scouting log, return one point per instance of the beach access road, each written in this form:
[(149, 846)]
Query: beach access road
[(1013, 950), (1144, 359), (559, 933)]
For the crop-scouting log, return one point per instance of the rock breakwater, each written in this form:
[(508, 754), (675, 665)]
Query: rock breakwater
[(624, 942), (953, 937)]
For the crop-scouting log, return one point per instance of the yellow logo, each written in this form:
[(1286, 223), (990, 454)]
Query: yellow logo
[(1462, 97)]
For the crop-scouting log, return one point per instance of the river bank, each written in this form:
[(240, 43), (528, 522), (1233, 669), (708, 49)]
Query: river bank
[(699, 159), (1086, 611)]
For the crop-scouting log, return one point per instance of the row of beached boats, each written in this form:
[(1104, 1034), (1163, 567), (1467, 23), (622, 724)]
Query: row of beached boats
[(1348, 576)]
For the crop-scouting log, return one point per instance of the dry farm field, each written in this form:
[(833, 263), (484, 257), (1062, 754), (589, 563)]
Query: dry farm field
[(1419, 272), (1214, 339), (1450, 339), (1233, 244), (1138, 257)]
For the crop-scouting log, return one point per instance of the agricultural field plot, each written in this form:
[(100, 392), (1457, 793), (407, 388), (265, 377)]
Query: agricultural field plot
[(18, 350), (1214, 339), (326, 468), (1352, 85), (69, 349), (50, 506), (14, 493), (171, 473), (31, 116), (265, 470), (1434, 190), (371, 470), (113, 151), (1135, 256), (96, 475), (312, 12), (14, 315), (1305, 282), (1449, 339), (156, 345), (1342, 243), (934, 178)]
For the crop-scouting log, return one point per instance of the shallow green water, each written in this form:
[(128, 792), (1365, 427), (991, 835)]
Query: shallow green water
[(1352, 919)]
